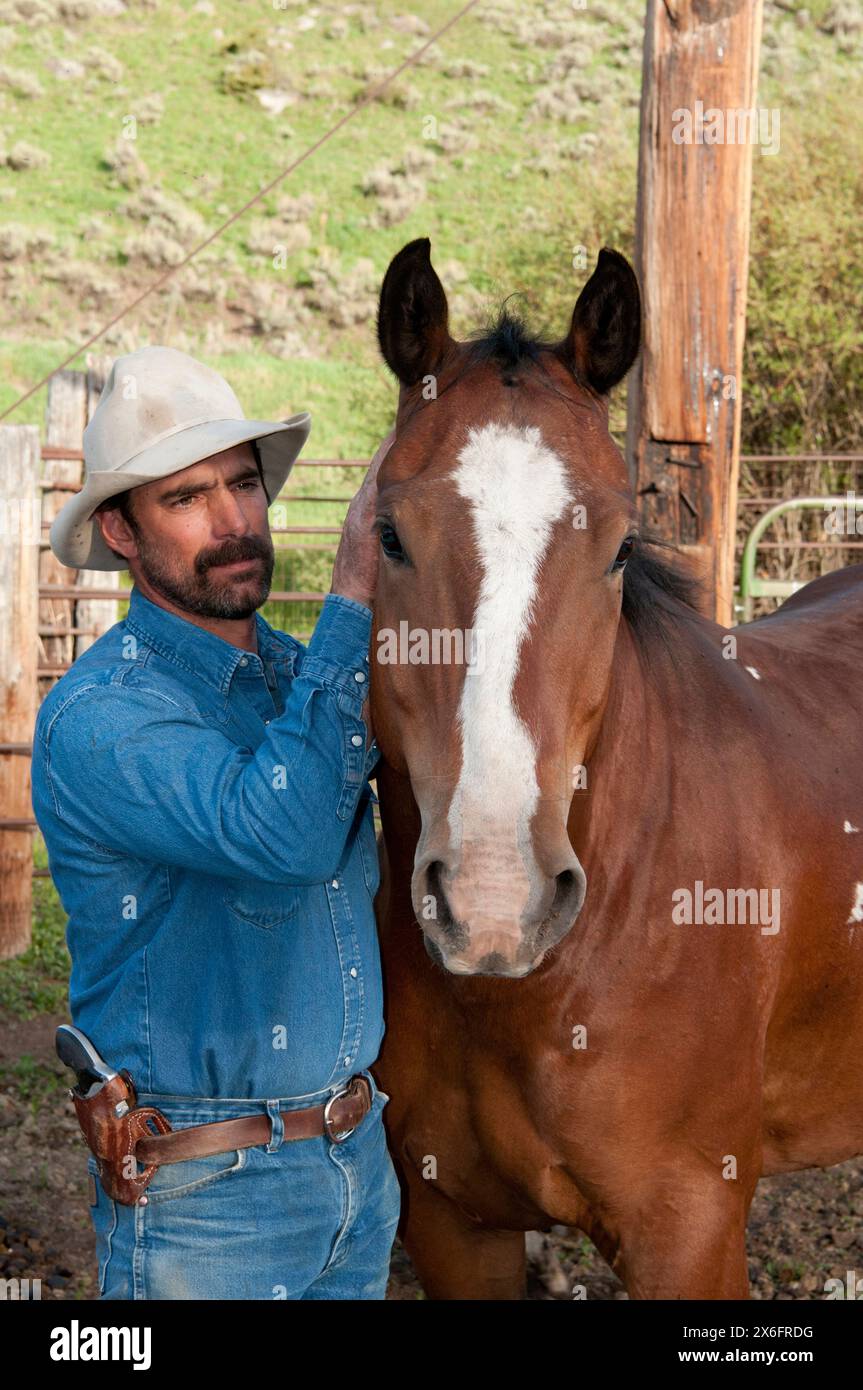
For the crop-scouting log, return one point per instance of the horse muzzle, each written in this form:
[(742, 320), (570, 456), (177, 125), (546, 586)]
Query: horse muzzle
[(471, 928)]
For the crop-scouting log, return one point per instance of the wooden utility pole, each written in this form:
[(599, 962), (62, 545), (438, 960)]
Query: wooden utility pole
[(699, 126), (19, 567)]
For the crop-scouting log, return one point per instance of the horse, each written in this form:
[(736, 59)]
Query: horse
[(620, 907)]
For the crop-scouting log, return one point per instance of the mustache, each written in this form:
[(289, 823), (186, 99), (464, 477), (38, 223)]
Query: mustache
[(245, 548)]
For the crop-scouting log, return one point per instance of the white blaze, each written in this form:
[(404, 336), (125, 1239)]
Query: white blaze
[(517, 489)]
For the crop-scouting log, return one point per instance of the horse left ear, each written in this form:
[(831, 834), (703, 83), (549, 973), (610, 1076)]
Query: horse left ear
[(605, 332), (413, 314)]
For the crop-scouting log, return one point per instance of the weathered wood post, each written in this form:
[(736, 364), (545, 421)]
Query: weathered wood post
[(19, 581), (698, 129), (64, 427), (93, 616)]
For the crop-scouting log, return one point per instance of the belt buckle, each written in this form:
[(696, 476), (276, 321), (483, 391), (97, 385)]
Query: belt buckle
[(340, 1136)]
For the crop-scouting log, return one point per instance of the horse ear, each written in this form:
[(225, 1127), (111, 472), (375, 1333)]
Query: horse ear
[(413, 314), (605, 332)]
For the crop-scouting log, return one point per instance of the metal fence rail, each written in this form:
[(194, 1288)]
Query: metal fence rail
[(751, 585)]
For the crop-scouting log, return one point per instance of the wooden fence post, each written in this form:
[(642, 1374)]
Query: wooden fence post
[(698, 127), (64, 427), (93, 616), (19, 579)]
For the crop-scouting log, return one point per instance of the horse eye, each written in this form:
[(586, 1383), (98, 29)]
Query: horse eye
[(623, 554), (390, 543)]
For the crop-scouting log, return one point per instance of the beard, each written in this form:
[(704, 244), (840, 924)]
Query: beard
[(207, 590)]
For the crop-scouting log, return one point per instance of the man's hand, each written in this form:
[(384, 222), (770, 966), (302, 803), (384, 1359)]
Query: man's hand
[(355, 571)]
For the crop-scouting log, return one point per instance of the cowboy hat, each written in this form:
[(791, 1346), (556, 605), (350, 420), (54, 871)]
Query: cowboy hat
[(161, 411)]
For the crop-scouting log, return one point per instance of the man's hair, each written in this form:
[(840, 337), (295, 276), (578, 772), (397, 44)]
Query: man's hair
[(122, 501)]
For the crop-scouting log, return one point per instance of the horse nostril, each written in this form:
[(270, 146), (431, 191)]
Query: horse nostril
[(567, 884), (566, 904), (434, 889)]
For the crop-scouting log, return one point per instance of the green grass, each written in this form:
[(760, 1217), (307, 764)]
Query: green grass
[(509, 220), (474, 209), (34, 1082), (37, 981), (511, 223)]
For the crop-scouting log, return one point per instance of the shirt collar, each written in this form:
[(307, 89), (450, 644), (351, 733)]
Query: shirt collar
[(198, 651)]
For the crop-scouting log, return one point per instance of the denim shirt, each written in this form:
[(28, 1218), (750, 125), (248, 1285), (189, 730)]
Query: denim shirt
[(210, 832)]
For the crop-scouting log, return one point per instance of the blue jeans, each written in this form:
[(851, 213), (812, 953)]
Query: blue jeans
[(292, 1219)]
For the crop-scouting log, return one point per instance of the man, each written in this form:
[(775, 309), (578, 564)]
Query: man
[(201, 783)]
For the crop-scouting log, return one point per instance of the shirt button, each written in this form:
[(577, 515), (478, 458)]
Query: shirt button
[(359, 676), (335, 883), (354, 972), (244, 661), (347, 1062), (266, 721), (356, 740)]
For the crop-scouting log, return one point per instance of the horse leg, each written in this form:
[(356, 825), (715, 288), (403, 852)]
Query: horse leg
[(686, 1239), (454, 1257)]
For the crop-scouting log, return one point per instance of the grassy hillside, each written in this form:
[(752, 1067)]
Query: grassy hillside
[(513, 143)]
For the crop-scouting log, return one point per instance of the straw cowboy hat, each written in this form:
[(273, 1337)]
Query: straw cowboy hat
[(162, 411)]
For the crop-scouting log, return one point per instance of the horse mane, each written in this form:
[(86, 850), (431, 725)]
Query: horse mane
[(655, 590), (507, 341)]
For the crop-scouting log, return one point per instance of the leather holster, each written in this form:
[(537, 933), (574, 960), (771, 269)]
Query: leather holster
[(112, 1137)]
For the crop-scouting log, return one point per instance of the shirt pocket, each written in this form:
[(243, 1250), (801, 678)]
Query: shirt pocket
[(264, 905), (369, 851)]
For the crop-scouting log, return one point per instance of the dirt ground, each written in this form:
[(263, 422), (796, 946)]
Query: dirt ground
[(803, 1229)]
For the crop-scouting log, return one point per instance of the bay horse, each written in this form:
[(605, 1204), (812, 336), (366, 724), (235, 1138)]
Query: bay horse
[(621, 896)]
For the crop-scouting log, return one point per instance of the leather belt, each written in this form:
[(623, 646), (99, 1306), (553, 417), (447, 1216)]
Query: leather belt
[(336, 1119)]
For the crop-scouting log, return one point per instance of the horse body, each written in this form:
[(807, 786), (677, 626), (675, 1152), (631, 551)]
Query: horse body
[(640, 1073)]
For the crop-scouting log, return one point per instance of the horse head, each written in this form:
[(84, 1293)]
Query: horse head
[(505, 518)]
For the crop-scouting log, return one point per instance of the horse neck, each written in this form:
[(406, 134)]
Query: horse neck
[(666, 686)]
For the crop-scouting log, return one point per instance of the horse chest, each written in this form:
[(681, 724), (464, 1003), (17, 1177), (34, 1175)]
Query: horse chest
[(479, 1141)]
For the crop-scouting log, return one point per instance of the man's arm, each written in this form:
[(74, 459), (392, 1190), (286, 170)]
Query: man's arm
[(132, 769)]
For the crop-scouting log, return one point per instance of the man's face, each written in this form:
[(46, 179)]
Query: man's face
[(201, 537)]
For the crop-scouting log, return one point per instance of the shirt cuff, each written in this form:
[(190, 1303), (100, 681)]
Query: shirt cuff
[(338, 650)]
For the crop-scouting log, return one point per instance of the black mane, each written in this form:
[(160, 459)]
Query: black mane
[(507, 342), (654, 588)]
